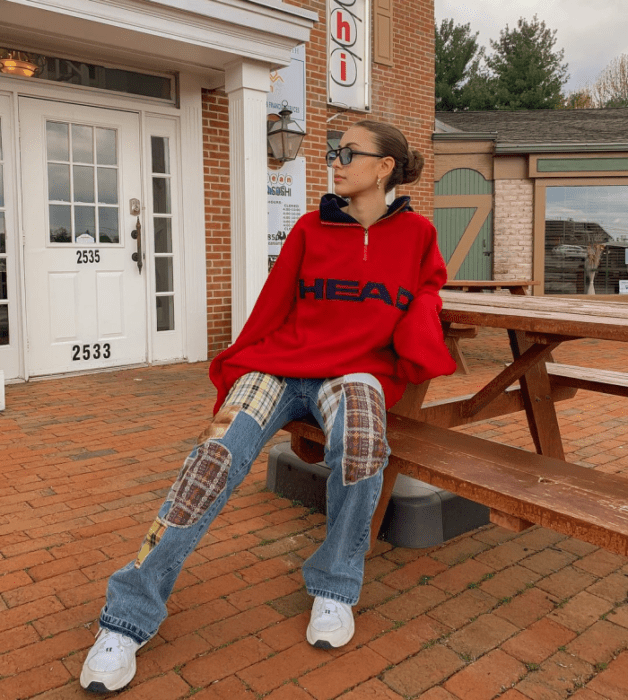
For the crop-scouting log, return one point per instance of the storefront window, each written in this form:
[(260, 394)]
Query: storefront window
[(586, 239)]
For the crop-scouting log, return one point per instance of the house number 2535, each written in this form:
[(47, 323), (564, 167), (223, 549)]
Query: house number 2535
[(87, 256), (91, 352)]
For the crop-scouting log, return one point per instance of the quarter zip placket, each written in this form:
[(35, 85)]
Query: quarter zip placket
[(354, 224)]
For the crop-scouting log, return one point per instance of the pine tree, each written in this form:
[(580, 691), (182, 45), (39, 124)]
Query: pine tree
[(457, 61)]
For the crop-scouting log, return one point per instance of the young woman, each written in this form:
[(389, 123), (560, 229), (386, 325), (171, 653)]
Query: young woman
[(348, 315)]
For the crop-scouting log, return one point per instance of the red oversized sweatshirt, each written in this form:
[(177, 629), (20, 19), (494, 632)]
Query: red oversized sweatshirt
[(342, 299)]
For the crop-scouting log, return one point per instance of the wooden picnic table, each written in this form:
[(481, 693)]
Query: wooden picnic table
[(518, 486), (454, 333), (535, 326)]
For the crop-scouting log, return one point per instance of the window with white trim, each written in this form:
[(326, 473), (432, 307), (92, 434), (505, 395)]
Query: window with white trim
[(162, 223)]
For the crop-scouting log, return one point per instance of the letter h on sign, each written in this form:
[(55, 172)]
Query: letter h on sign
[(348, 52)]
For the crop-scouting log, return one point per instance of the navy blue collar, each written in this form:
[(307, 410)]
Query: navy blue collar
[(331, 212)]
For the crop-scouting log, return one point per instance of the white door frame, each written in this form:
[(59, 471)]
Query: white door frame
[(188, 120)]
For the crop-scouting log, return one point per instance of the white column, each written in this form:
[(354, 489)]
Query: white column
[(247, 84)]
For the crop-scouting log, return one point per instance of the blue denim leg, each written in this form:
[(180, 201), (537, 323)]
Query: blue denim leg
[(336, 569), (137, 595)]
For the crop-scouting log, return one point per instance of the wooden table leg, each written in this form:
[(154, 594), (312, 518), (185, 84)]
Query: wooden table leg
[(538, 401)]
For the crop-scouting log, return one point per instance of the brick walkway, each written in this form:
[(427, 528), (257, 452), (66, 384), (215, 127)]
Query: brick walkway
[(87, 460)]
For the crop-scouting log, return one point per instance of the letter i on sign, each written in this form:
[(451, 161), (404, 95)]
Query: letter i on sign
[(343, 67)]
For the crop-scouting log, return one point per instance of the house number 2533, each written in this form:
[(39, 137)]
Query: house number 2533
[(91, 352)]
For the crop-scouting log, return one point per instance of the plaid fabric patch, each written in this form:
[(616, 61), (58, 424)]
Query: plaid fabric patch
[(201, 480), (365, 446), (156, 532), (219, 424), (328, 400), (257, 394)]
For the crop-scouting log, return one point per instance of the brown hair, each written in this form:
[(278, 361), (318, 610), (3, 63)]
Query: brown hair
[(391, 142)]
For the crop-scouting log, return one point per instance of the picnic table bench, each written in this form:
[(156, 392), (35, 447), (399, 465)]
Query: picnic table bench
[(521, 488)]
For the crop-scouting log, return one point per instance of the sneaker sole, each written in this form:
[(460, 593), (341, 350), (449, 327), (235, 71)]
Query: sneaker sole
[(322, 643), (95, 687)]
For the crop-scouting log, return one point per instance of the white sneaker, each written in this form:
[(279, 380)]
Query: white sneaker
[(110, 663), (331, 624)]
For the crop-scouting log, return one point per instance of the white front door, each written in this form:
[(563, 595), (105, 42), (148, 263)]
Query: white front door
[(85, 295)]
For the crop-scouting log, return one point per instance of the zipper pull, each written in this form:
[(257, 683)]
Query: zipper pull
[(366, 243)]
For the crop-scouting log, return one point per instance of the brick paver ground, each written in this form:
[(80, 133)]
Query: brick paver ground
[(86, 461)]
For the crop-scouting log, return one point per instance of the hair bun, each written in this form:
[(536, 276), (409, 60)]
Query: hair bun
[(412, 167)]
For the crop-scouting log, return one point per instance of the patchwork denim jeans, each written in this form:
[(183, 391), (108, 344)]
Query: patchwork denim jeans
[(352, 413)]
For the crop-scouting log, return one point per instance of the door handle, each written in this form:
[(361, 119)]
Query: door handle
[(136, 233)]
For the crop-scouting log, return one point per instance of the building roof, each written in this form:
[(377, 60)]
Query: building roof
[(541, 126)]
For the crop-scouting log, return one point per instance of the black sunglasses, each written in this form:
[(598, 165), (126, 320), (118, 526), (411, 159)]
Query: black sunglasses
[(346, 155)]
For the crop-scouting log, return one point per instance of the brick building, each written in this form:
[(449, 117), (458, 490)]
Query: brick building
[(145, 121)]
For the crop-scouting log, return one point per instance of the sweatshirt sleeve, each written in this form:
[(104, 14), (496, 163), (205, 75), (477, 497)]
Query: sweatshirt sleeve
[(418, 338), (274, 303)]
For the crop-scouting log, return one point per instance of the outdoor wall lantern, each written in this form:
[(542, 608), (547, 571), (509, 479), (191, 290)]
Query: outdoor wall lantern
[(20, 63), (284, 135)]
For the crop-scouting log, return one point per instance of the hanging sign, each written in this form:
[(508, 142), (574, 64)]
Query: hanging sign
[(287, 87), (286, 203), (348, 53)]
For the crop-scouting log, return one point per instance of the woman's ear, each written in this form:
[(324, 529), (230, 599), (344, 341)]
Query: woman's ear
[(385, 167)]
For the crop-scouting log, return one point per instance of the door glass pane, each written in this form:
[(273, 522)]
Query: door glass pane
[(163, 235), (60, 223), (57, 141), (107, 186), (4, 324), (85, 224), (4, 292), (108, 225), (106, 152), (83, 183), (161, 154), (82, 143), (1, 185), (161, 195), (58, 182), (3, 235), (163, 275), (165, 313)]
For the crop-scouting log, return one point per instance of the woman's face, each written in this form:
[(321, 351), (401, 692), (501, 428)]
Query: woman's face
[(360, 175)]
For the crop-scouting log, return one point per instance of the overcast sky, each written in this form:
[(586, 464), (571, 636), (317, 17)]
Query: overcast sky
[(592, 32)]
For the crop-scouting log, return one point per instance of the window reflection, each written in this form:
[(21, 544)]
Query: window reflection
[(161, 195), (108, 225), (58, 182), (586, 238), (83, 183), (4, 324), (165, 313), (106, 152), (57, 141), (82, 144)]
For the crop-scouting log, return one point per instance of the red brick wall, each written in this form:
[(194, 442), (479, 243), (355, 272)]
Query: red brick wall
[(402, 95)]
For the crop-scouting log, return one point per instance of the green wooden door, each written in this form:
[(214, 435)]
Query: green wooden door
[(463, 216)]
